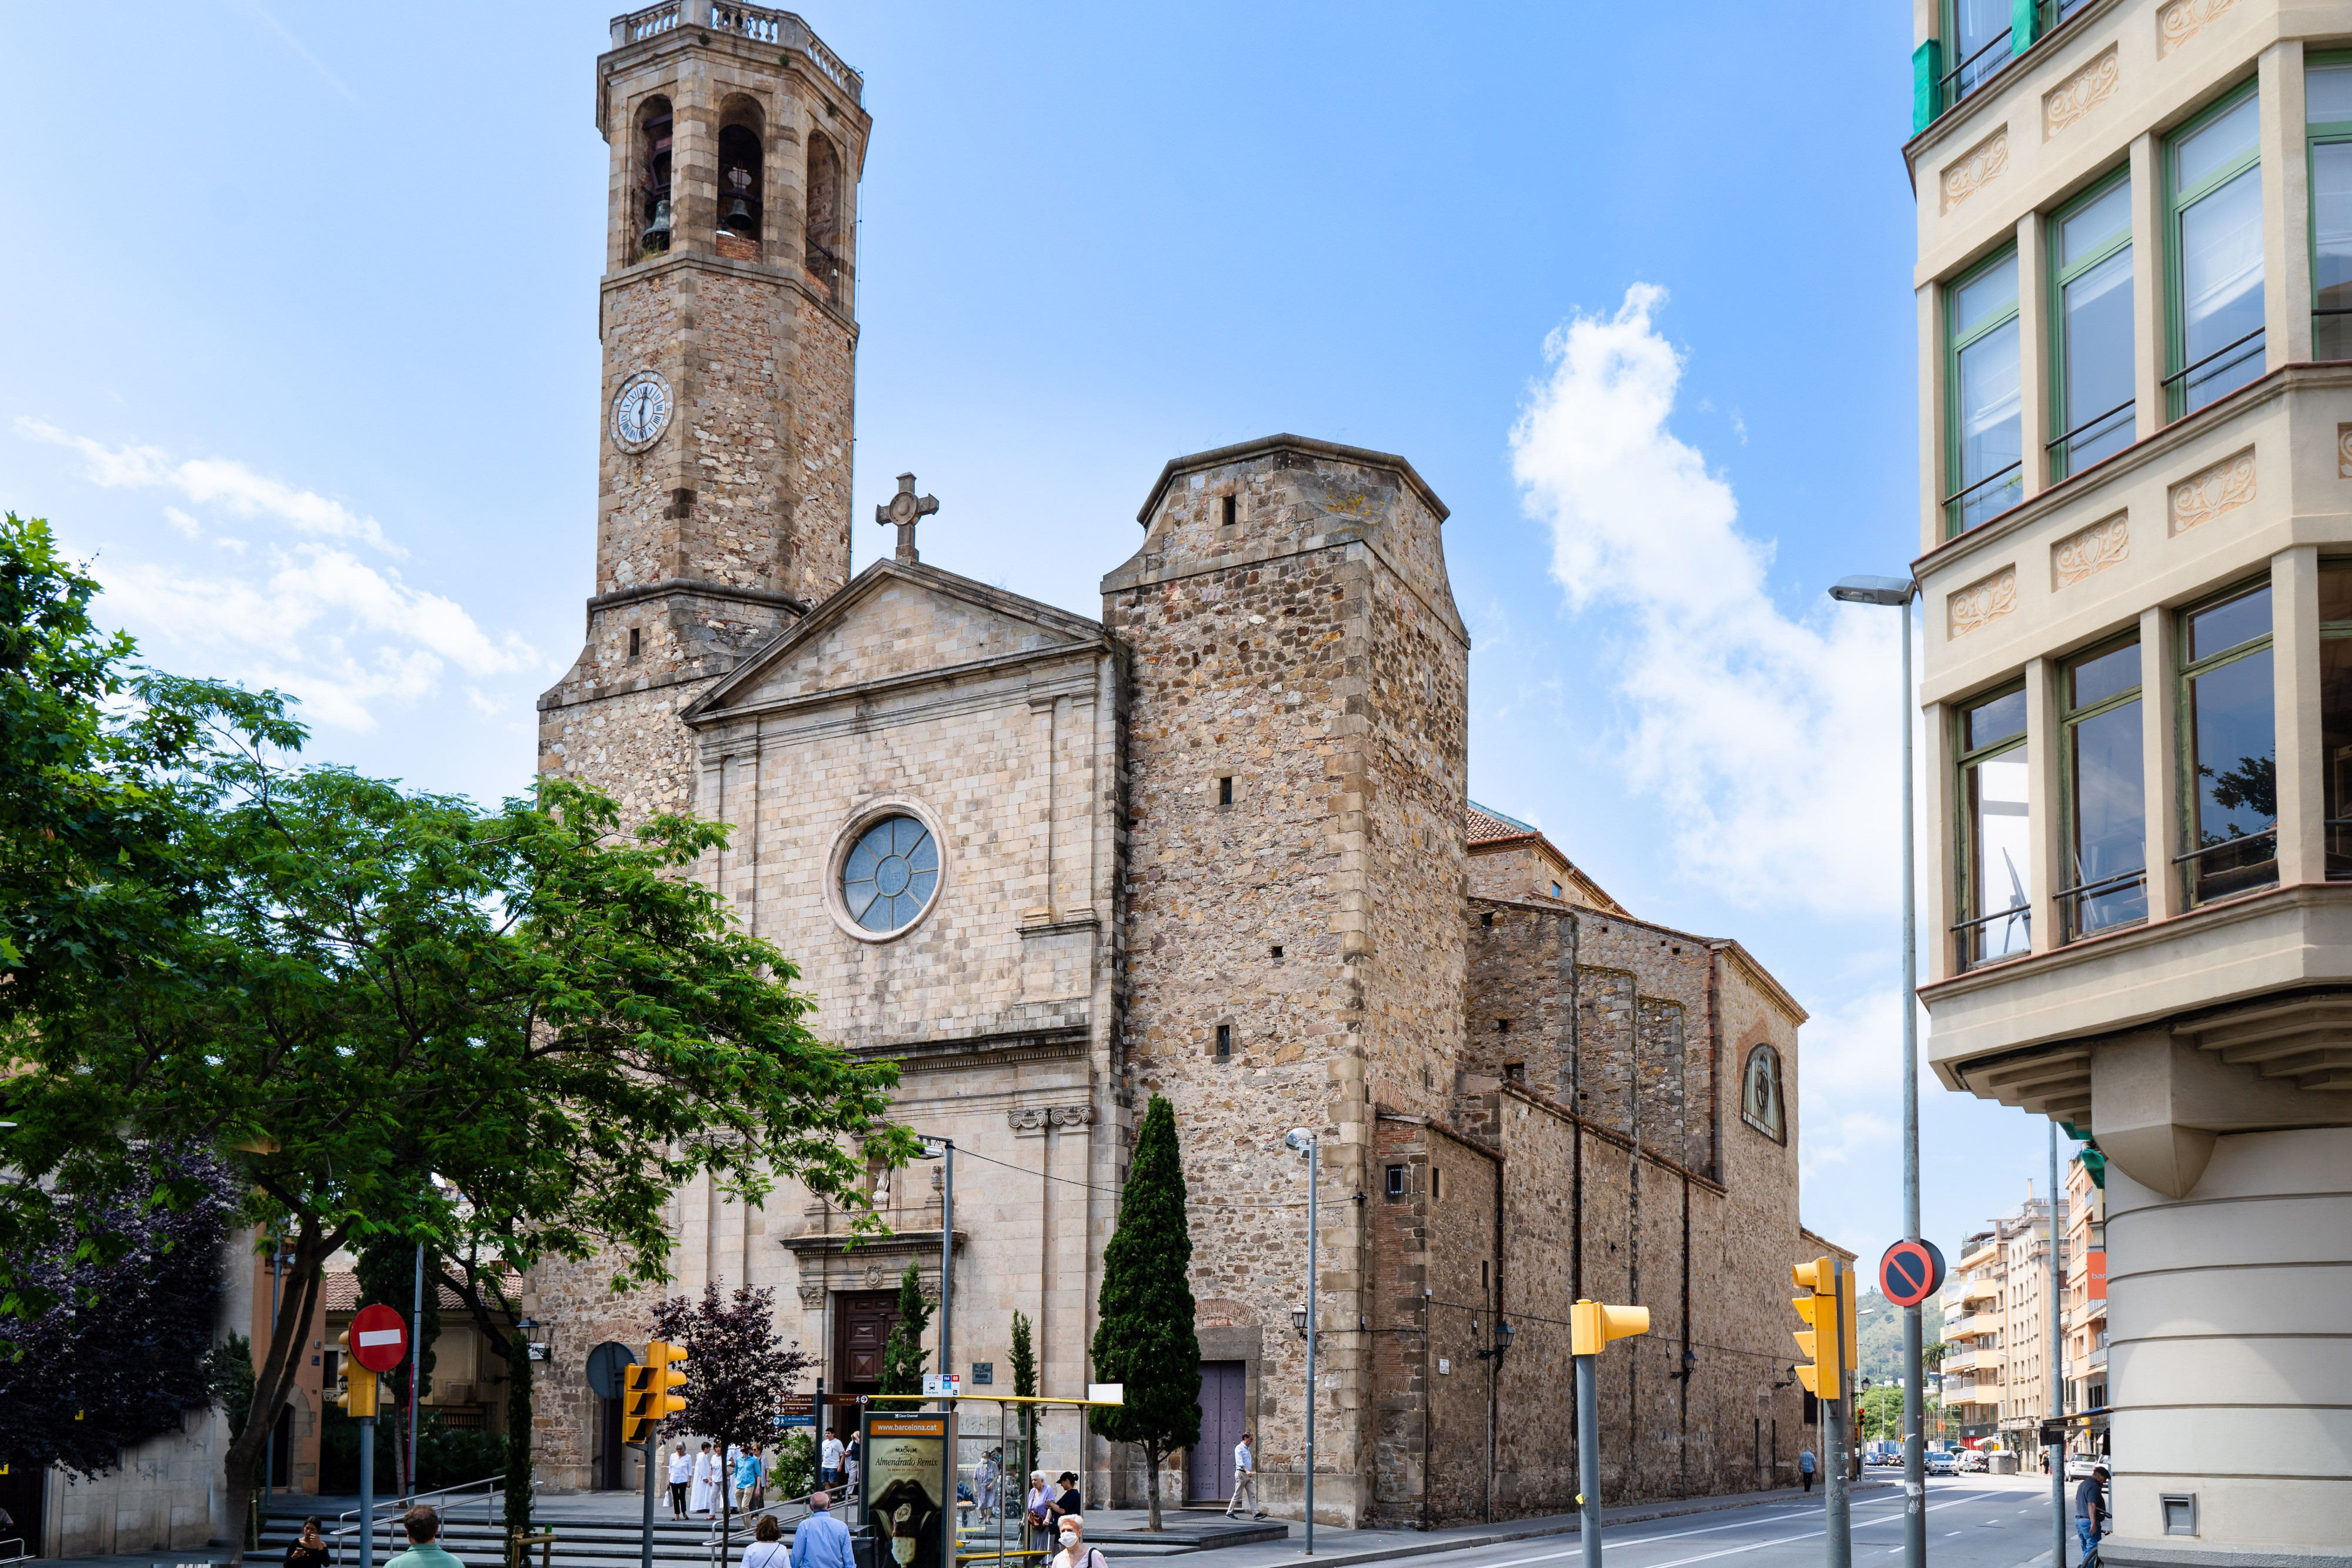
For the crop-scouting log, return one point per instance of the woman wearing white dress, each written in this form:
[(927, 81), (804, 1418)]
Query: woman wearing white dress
[(705, 1472)]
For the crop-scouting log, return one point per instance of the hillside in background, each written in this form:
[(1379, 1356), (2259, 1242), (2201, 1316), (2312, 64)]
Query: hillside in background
[(1879, 1335)]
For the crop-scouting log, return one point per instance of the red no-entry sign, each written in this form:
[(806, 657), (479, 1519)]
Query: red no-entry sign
[(1911, 1273), (379, 1338)]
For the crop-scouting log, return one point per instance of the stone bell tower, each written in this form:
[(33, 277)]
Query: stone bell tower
[(728, 314)]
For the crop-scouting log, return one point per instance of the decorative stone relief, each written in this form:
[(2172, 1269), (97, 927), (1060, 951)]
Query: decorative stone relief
[(2183, 19), (2344, 452), (812, 1297), (2207, 494), (2090, 550), (1981, 602), (1978, 167), (2075, 97), (1037, 1118)]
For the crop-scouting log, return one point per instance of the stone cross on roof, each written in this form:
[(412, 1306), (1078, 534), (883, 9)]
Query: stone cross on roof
[(905, 509)]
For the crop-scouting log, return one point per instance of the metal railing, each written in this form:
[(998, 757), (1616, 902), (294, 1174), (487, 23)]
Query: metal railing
[(20, 1555), (2070, 914), (740, 1528), (494, 1490), (2014, 474), (1969, 959), (2189, 369), (2091, 423), (760, 24), (1956, 84)]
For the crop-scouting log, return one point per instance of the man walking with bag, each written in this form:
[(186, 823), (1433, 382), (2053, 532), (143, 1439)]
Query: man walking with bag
[(1245, 1480)]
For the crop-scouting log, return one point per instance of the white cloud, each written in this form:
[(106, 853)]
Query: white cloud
[(181, 523), (1765, 737), (212, 481), (336, 633)]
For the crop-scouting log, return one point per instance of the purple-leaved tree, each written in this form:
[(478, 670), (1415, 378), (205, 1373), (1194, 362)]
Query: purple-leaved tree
[(738, 1370)]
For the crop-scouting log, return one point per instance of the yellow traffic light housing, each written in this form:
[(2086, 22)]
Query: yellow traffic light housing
[(358, 1396), (1593, 1325), (1829, 1329), (650, 1384)]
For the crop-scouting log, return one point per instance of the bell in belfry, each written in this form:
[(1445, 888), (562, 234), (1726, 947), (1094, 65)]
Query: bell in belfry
[(739, 217), (656, 234)]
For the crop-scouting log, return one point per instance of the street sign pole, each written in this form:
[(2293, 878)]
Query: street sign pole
[(367, 1491), (1587, 1456), (2057, 1368), (1838, 1506), (653, 1452)]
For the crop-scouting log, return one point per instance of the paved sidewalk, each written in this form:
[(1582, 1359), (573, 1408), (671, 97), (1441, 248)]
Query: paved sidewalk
[(1333, 1548)]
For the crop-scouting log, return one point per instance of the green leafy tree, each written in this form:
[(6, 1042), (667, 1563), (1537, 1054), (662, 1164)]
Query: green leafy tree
[(346, 989), (902, 1354), (1144, 1336), (1025, 1385)]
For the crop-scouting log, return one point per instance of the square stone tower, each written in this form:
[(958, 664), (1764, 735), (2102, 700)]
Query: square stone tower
[(1295, 871), (728, 319)]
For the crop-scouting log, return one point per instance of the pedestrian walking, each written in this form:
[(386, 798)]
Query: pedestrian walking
[(1805, 1465), (1245, 1480), (1039, 1516), (758, 1478), (746, 1476), (767, 1549), (705, 1497), (820, 1541), (681, 1476), (987, 1481), (2091, 1511), (1074, 1552), (829, 1461), (423, 1524)]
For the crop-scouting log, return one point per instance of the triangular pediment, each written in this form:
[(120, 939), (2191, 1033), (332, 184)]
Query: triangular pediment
[(893, 620)]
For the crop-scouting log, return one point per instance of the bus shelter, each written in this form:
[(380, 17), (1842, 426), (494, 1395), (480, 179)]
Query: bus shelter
[(988, 1518)]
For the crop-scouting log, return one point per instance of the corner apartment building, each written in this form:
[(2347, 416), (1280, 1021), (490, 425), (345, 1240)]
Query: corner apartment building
[(2135, 318), (1996, 1306), (2086, 1309)]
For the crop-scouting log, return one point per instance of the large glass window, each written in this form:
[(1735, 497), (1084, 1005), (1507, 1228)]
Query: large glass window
[(2229, 724), (2336, 712), (1996, 916), (1981, 35), (2091, 358), (1987, 451), (2213, 177), (2328, 109), (2106, 797)]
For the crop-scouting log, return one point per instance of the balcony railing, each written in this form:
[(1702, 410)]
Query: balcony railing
[(2104, 905), (1935, 89), (759, 24)]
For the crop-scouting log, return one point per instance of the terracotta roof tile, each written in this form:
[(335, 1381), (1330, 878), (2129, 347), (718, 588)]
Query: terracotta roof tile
[(1487, 827), (340, 1294)]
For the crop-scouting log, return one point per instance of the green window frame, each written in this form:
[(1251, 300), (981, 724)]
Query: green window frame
[(1972, 355), (1985, 928), (2200, 369), (2327, 160), (2336, 712), (2106, 877), (2221, 865), (2079, 436)]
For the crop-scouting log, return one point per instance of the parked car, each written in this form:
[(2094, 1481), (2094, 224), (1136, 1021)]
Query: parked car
[(2079, 1466), (1972, 1461), (1942, 1463)]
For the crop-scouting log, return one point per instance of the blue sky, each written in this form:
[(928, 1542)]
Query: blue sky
[(302, 349)]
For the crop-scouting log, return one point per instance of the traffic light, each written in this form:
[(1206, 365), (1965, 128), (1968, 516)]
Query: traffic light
[(358, 1396), (1823, 1341), (1590, 1325), (650, 1398)]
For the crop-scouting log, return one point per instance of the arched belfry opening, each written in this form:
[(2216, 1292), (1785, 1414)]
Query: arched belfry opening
[(654, 124), (741, 180), (823, 228)]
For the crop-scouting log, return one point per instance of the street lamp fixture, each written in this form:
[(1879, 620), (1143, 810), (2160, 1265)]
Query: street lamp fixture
[(939, 1148), (1901, 590), (1298, 1320)]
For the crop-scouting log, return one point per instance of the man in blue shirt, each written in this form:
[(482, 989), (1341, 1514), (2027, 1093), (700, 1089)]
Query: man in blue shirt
[(2091, 1509), (821, 1540)]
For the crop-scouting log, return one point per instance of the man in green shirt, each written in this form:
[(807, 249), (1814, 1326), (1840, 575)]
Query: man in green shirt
[(423, 1527)]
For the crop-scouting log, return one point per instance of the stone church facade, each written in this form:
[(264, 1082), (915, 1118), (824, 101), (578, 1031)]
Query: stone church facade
[(1214, 844)]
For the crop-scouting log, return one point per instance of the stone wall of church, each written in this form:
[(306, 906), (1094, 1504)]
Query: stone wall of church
[(1301, 652)]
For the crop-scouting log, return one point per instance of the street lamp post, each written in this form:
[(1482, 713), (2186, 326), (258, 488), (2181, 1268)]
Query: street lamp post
[(1899, 590), (943, 1149), (1301, 1141)]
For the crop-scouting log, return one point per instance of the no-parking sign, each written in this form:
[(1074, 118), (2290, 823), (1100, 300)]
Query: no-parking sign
[(1911, 1273)]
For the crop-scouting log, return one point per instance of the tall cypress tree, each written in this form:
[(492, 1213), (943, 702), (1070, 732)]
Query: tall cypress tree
[(1024, 1386), (902, 1353), (1144, 1336)]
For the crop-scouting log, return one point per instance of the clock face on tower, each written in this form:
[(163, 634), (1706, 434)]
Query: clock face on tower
[(640, 411)]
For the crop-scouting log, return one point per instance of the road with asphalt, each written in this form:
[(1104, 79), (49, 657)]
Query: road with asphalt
[(1973, 1522)]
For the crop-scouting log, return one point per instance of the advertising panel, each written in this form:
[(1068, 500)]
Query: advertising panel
[(907, 1483)]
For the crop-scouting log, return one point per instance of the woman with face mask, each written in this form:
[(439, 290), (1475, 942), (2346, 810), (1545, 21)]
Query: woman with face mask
[(1074, 1552)]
